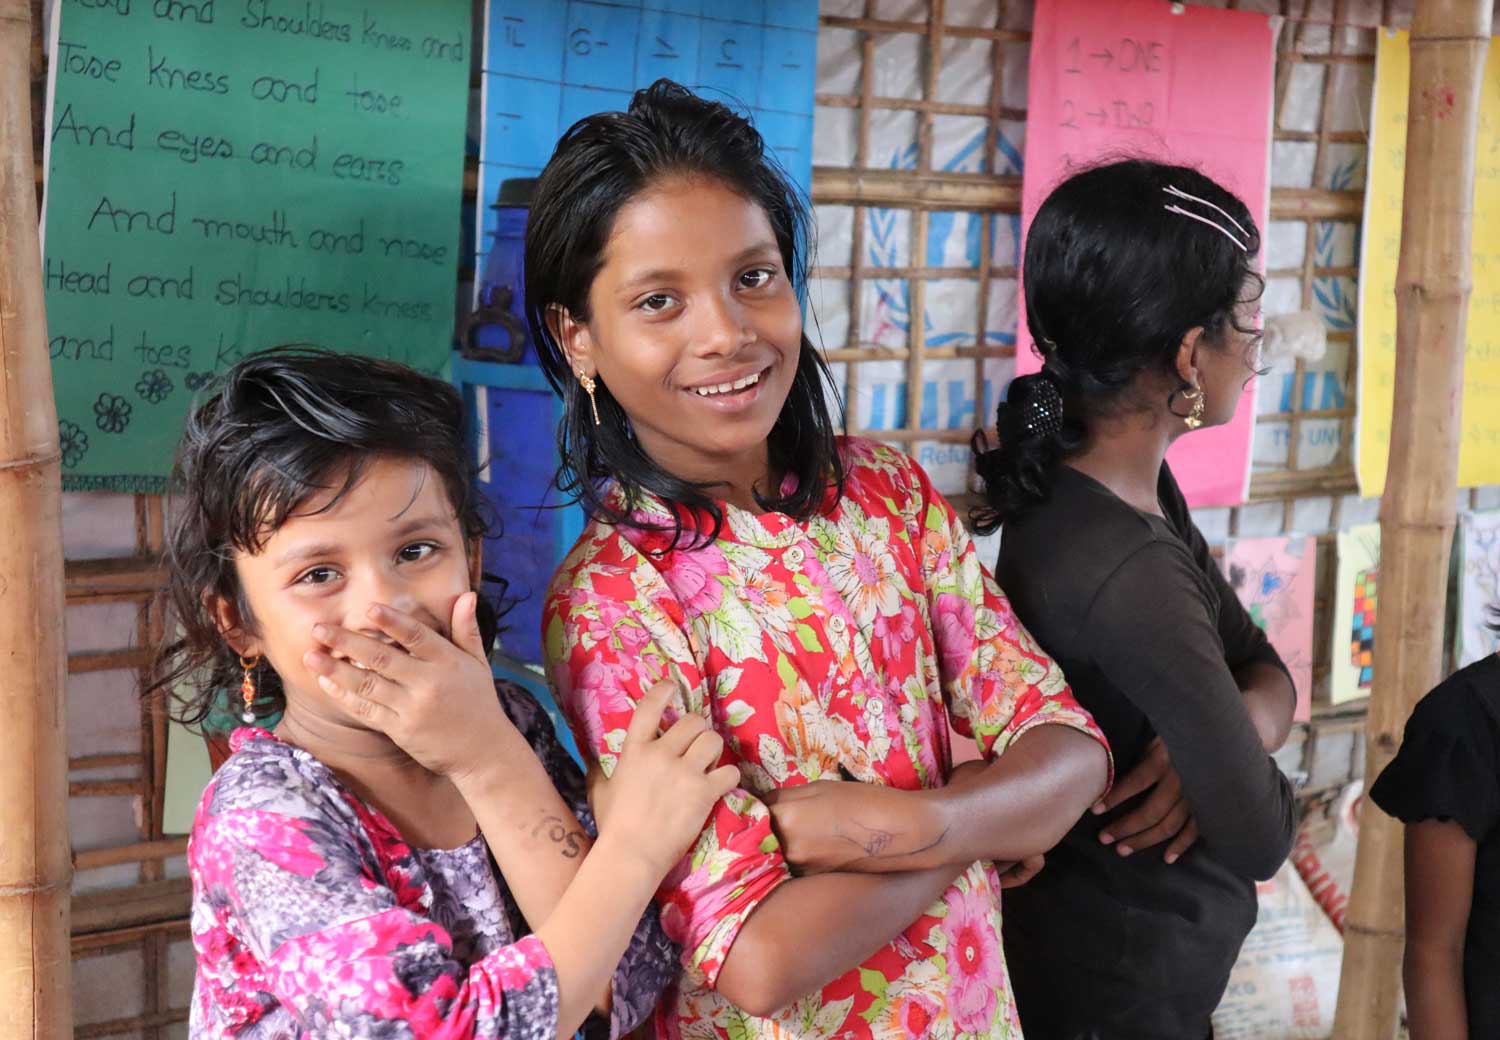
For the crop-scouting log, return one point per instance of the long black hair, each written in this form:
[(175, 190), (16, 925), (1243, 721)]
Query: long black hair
[(601, 164), (280, 427), (1113, 282)]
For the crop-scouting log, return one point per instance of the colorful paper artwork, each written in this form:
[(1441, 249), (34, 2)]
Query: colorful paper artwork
[(1352, 668), (1362, 639), (1478, 587), (1274, 578)]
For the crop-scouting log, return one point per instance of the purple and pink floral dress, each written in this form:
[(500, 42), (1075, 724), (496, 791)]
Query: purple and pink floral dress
[(313, 918)]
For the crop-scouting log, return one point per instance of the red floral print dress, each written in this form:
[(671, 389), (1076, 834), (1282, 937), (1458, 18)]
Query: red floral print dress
[(850, 640)]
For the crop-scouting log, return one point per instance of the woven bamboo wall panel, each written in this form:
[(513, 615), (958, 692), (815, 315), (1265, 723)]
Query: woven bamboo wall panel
[(919, 143)]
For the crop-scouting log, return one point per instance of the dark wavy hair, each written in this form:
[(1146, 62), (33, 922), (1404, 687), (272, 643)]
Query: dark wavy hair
[(1113, 282), (278, 428), (602, 163)]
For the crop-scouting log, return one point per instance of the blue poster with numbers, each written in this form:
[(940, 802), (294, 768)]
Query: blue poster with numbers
[(548, 64)]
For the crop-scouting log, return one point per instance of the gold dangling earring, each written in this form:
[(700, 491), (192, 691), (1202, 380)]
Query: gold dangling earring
[(247, 688), (1194, 418), (587, 382)]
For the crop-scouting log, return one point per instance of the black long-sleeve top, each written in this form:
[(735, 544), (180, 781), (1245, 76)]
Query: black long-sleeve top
[(1150, 636)]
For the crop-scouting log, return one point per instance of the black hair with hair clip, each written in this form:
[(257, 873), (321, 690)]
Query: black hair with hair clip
[(1043, 414), (1113, 279)]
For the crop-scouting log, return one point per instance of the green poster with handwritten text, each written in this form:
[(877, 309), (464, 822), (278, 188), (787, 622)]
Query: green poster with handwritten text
[(229, 175)]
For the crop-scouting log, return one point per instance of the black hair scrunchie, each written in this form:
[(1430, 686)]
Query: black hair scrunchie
[(1042, 409)]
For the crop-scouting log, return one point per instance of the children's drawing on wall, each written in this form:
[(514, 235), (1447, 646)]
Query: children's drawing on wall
[(1352, 669), (1478, 586), (1274, 579)]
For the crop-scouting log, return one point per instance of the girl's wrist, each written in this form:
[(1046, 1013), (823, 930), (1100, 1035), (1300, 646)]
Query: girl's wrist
[(908, 831), (629, 862), (494, 762), (934, 819)]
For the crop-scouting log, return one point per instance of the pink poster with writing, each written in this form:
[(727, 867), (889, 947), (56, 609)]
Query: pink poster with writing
[(1273, 578), (1194, 87)]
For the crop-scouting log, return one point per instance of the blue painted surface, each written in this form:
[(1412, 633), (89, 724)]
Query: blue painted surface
[(549, 64), (535, 527)]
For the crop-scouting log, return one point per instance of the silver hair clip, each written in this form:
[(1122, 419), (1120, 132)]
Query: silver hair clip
[(1178, 193)]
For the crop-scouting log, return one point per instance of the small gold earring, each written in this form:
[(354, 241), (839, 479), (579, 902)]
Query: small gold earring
[(587, 382)]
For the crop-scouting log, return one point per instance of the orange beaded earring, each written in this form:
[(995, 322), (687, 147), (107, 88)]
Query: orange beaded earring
[(247, 688)]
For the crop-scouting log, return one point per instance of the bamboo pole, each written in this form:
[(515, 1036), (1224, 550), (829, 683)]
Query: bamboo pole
[(1449, 39), (912, 189), (153, 850), (146, 903), (35, 871)]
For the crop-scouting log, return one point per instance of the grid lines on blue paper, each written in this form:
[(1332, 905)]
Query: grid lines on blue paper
[(549, 64)]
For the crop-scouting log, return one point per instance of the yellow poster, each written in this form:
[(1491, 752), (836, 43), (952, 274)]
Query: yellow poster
[(1479, 454)]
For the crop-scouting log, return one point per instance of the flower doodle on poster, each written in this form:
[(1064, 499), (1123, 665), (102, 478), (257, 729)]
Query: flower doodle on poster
[(154, 386), (112, 413), (1273, 578), (73, 441)]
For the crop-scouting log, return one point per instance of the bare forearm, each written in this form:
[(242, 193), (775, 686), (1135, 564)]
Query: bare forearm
[(590, 927), (833, 922), (1435, 1006), (1017, 806), (537, 842), (1271, 701)]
